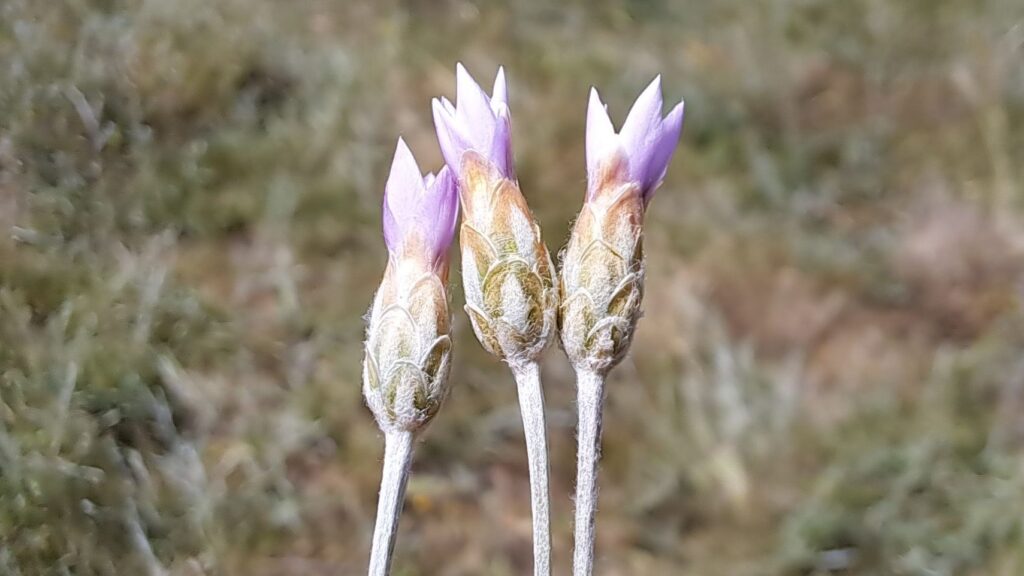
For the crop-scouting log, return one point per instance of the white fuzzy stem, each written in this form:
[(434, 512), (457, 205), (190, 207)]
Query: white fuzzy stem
[(531, 403), (589, 400), (395, 475)]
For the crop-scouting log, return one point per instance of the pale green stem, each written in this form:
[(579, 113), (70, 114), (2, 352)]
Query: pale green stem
[(589, 400), (531, 404), (395, 475)]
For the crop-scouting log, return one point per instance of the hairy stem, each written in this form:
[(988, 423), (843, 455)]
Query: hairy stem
[(395, 475), (589, 400), (531, 403)]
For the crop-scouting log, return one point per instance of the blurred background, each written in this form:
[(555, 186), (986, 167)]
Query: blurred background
[(829, 379)]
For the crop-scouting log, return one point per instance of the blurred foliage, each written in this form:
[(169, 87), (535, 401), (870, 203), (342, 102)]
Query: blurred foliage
[(828, 381)]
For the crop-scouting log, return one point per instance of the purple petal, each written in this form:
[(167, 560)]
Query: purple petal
[(401, 194), (477, 122), (641, 129), (444, 201), (600, 132), (422, 206), (392, 232), (500, 93), (661, 150), (453, 144), (448, 106), (501, 146), (473, 110)]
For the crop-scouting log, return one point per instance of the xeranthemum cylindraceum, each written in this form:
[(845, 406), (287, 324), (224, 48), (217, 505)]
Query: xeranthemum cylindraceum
[(602, 274), (508, 275), (408, 344), (408, 337), (603, 266)]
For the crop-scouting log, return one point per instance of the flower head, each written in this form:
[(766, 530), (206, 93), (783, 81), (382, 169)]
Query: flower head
[(408, 341), (603, 268), (640, 152), (477, 122), (507, 270), (419, 211)]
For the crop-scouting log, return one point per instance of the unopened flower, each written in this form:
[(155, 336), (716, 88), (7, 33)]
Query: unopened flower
[(408, 341), (603, 270), (506, 269), (511, 297), (602, 275)]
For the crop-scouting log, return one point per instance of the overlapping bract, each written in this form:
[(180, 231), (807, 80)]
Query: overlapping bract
[(511, 297), (408, 344), (603, 267)]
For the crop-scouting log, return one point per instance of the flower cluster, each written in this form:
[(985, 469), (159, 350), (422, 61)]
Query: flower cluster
[(512, 299)]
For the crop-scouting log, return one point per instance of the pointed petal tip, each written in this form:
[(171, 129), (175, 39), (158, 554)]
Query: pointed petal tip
[(402, 148), (642, 129), (404, 164), (600, 133), (460, 72), (446, 193), (452, 136), (675, 116), (499, 94), (444, 116), (598, 121), (447, 104), (650, 97), (437, 108), (655, 84), (661, 150), (403, 185), (462, 76)]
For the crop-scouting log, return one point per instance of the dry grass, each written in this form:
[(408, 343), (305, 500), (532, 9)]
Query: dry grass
[(828, 380)]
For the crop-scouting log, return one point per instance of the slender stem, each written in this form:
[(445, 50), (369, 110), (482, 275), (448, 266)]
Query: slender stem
[(397, 458), (531, 403), (589, 400)]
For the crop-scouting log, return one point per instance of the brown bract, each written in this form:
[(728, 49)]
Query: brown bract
[(602, 273), (408, 345), (507, 271)]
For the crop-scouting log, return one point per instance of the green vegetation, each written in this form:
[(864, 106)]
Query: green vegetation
[(828, 381)]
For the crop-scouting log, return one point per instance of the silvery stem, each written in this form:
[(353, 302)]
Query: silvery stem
[(395, 475), (531, 403), (589, 400)]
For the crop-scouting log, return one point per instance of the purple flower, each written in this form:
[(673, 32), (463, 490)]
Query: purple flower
[(419, 211), (646, 141), (476, 122)]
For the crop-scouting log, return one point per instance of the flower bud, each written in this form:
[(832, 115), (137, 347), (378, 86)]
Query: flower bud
[(408, 339), (507, 273), (603, 266)]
